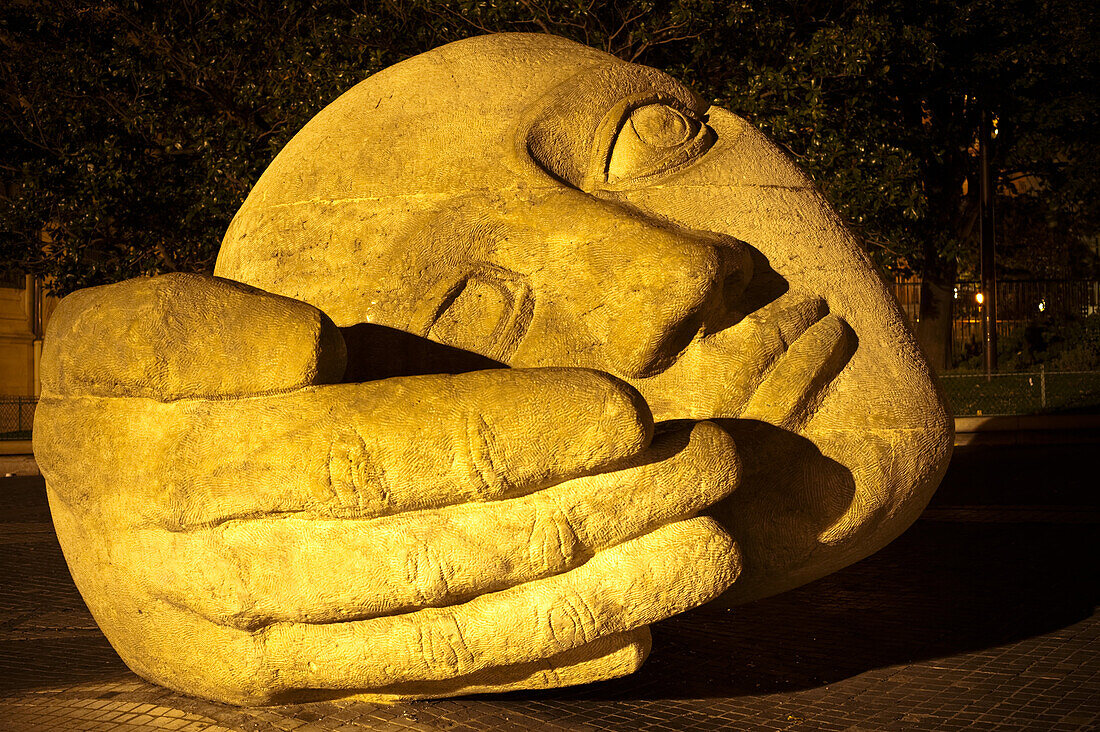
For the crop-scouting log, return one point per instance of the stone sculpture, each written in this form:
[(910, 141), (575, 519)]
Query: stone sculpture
[(246, 528)]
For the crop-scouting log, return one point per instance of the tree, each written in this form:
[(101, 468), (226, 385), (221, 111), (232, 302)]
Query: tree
[(880, 101), (131, 131)]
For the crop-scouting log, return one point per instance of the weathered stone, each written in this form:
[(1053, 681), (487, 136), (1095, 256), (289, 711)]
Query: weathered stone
[(247, 530)]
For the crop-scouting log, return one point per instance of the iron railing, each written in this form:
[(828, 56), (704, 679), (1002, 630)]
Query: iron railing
[(16, 417), (1019, 303)]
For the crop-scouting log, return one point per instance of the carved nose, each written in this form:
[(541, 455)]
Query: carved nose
[(635, 289), (691, 282), (707, 272), (734, 271), (725, 303)]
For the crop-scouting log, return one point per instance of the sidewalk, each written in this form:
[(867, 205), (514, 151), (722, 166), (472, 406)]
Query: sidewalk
[(982, 616), (1028, 429)]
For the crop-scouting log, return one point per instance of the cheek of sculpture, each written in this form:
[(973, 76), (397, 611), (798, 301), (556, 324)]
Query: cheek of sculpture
[(865, 462), (611, 289)]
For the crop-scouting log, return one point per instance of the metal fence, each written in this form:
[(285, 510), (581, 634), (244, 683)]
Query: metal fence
[(16, 417), (1032, 392), (1019, 302)]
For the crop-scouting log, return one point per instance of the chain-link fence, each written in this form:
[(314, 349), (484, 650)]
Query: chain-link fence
[(1032, 392), (16, 417), (969, 395)]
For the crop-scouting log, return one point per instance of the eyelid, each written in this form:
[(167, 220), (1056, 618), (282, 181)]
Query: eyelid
[(607, 133), (558, 133)]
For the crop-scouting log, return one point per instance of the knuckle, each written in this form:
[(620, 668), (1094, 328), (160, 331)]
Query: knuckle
[(571, 622), (443, 647), (235, 610), (554, 542), (427, 575), (226, 594), (481, 452), (230, 605), (176, 509), (266, 668), (354, 482)]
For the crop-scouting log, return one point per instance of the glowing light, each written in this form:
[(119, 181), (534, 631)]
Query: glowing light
[(956, 293), (980, 298), (1042, 305)]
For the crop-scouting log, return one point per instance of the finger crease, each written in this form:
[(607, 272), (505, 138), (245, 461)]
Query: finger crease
[(480, 445)]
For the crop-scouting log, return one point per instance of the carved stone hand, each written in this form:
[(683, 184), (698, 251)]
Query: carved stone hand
[(245, 531)]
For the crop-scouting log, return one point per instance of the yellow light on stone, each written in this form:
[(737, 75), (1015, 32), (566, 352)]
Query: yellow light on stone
[(400, 574)]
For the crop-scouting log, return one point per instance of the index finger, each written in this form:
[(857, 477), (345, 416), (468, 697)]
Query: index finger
[(346, 450)]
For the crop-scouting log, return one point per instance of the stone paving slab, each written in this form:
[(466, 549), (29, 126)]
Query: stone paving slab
[(981, 617)]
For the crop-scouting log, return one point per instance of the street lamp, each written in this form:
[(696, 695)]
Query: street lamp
[(987, 298)]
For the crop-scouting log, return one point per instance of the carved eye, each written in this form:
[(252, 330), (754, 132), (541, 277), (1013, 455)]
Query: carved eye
[(655, 139)]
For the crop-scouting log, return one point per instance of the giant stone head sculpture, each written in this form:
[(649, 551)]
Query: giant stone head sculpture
[(544, 204), (687, 384)]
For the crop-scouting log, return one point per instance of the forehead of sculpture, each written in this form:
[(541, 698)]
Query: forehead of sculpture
[(474, 119), (448, 121)]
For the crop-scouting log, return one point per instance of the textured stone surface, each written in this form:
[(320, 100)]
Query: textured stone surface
[(981, 617), (247, 530)]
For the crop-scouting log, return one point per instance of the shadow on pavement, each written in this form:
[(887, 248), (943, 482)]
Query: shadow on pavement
[(950, 585), (941, 590)]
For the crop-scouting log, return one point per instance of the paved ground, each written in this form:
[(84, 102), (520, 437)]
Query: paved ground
[(982, 616)]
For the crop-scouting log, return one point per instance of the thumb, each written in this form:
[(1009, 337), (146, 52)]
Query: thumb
[(184, 336)]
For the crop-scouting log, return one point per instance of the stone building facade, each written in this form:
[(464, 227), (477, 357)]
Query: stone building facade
[(24, 310)]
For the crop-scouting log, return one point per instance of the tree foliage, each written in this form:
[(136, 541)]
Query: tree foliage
[(132, 130)]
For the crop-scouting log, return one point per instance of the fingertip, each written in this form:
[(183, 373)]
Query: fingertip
[(641, 644), (621, 411), (592, 419), (671, 569), (714, 554), (721, 545), (626, 413), (718, 450), (702, 462)]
